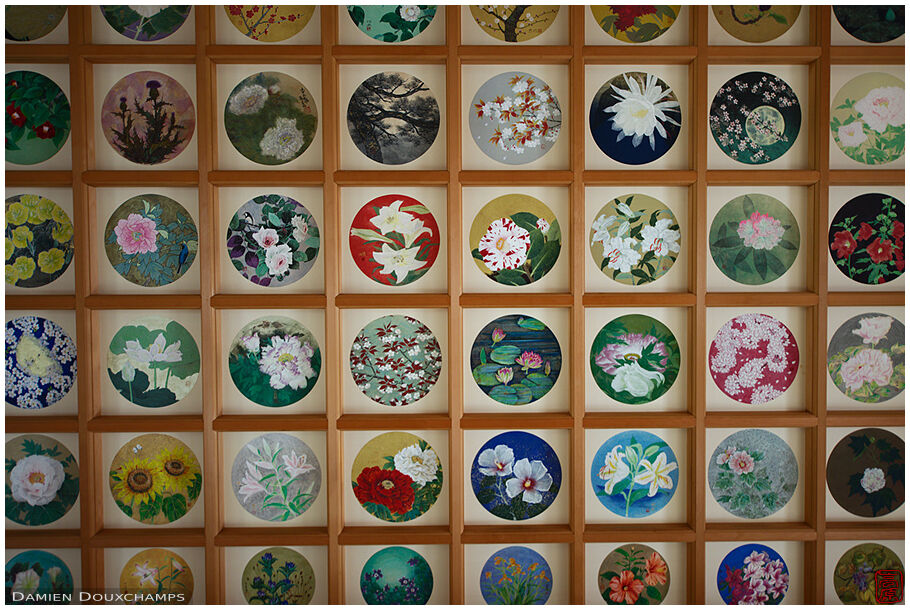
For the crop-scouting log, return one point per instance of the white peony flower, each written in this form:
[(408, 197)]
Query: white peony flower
[(852, 134), (35, 479), (283, 140), (287, 362), (873, 480), (409, 12), (278, 259), (496, 462), (250, 343), (420, 465), (249, 100), (641, 111), (504, 245), (398, 262), (660, 238), (531, 479), (148, 10), (635, 380), (881, 107)]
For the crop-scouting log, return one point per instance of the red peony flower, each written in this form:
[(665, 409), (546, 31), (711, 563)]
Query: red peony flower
[(15, 115), (390, 488), (45, 131), (865, 231), (897, 229), (843, 244), (626, 14), (880, 251)]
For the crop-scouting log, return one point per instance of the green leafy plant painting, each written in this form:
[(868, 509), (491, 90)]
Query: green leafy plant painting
[(146, 22), (392, 22), (37, 117)]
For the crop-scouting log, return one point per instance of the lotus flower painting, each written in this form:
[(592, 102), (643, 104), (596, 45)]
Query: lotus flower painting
[(37, 117), (40, 362), (36, 573), (42, 480), (634, 574), (392, 22), (396, 576), (854, 575), (753, 574), (866, 239), (158, 572), (865, 472), (278, 576), (866, 358), (145, 22), (633, 23), (516, 576), (867, 118), (269, 22)]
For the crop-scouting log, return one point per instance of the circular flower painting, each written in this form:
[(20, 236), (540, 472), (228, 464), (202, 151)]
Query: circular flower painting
[(514, 22), (866, 472), (37, 573), (516, 359), (871, 22), (866, 238), (153, 362), (392, 22), (274, 361), (753, 574), (145, 22), (756, 23), (148, 118), (515, 117), (393, 118), (396, 477), (269, 22), (394, 240), (855, 579), (151, 240), (755, 118), (635, 23), (395, 360), (754, 239), (635, 239), (753, 358), (515, 239), (40, 362), (158, 572), (42, 480), (635, 473), (31, 22), (516, 475), (867, 118), (866, 357), (278, 575), (37, 117), (270, 118), (752, 473), (635, 118), (155, 479), (635, 359), (39, 241), (396, 575), (516, 576), (273, 240), (633, 574)]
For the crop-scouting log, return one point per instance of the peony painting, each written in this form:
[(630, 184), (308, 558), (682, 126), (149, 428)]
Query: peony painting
[(145, 22), (278, 576), (855, 580), (25, 23), (865, 472), (866, 239), (40, 362), (269, 22), (753, 574), (867, 118), (37, 118), (514, 22), (875, 23), (391, 22), (633, 22), (866, 358), (516, 576), (42, 480), (39, 241), (36, 573), (396, 575), (633, 574), (754, 22), (158, 572)]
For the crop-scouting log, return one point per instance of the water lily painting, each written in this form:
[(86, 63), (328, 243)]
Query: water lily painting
[(270, 118), (633, 22), (394, 239), (40, 362), (276, 477), (145, 22), (754, 22), (516, 359), (866, 358), (874, 23), (635, 359), (37, 573), (752, 473), (273, 240), (865, 472), (633, 574), (278, 576), (635, 118), (155, 479), (269, 22), (755, 118), (391, 22), (42, 480), (867, 118), (397, 477), (753, 574), (274, 361), (515, 118), (39, 241), (31, 22), (396, 575), (866, 238), (516, 476), (754, 239), (514, 22), (854, 574), (516, 576), (635, 474), (158, 572), (37, 117)]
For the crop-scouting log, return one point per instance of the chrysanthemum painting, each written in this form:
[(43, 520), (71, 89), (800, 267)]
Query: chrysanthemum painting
[(633, 574), (866, 357), (158, 571), (867, 118)]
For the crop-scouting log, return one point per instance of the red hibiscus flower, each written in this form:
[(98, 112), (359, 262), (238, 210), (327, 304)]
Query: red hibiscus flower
[(880, 251), (626, 14), (390, 488), (865, 231), (843, 244), (45, 131), (897, 230), (625, 588), (15, 115)]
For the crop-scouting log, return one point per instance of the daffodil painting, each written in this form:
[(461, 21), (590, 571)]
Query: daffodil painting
[(42, 480), (37, 117), (278, 576), (145, 22), (855, 579), (866, 238), (36, 573), (516, 576), (865, 472), (633, 574), (875, 23), (158, 572), (269, 22), (155, 479), (396, 575), (394, 240), (635, 474), (153, 362), (753, 575), (867, 118), (866, 357), (31, 22), (391, 22), (40, 362), (756, 22), (39, 241), (635, 23)]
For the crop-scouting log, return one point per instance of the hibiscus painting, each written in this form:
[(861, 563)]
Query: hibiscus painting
[(865, 472), (42, 480), (40, 362), (633, 574), (145, 22), (854, 575), (753, 574), (396, 575), (158, 572), (37, 117), (269, 22), (39, 241), (278, 576), (866, 238), (867, 118), (516, 576), (633, 22), (391, 22), (866, 358), (37, 573)]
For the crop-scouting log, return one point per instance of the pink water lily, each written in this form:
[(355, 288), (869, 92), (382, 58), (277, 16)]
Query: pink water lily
[(529, 360), (504, 375), (136, 234), (498, 335)]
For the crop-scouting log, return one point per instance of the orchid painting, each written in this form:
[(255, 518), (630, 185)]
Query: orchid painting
[(866, 239), (753, 574), (634, 574), (157, 571), (867, 118), (42, 480), (866, 358), (635, 474)]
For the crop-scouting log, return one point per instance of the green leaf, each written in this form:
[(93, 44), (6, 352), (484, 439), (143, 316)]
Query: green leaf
[(485, 374), (505, 354), (174, 507), (531, 324), (761, 263)]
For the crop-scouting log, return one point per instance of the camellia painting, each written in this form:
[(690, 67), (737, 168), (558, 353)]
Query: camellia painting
[(753, 574), (42, 480), (866, 358), (633, 574), (391, 22), (37, 118), (396, 575), (516, 576)]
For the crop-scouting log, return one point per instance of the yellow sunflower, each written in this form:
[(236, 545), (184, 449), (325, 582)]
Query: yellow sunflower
[(179, 467), (138, 481)]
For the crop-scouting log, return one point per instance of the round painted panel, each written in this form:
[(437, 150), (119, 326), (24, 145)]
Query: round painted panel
[(396, 575), (39, 241), (866, 238), (867, 118), (37, 117), (155, 479), (42, 480), (516, 576), (635, 359), (633, 22), (753, 574), (633, 574), (871, 22), (31, 22), (158, 572), (151, 240), (514, 22), (34, 573), (273, 240), (153, 362), (635, 474), (753, 358), (866, 472), (635, 118), (515, 118), (754, 239), (145, 22), (280, 576), (270, 118), (269, 22), (40, 362), (635, 239), (516, 359), (394, 239), (854, 574), (516, 475), (753, 473), (866, 357), (391, 22), (393, 118), (396, 476), (395, 360), (274, 361), (755, 118), (756, 23)]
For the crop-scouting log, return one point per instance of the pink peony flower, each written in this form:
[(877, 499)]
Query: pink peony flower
[(724, 457), (529, 360), (627, 348), (760, 231), (136, 234), (870, 365), (741, 463), (873, 330), (881, 107)]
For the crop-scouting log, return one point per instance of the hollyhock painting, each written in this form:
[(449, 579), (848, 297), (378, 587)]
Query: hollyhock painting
[(874, 23), (754, 22), (37, 117), (516, 576), (633, 22), (158, 572), (866, 472), (753, 574), (42, 480), (39, 241), (855, 579), (396, 575), (391, 22), (40, 362), (867, 118), (633, 574), (866, 239), (269, 22), (31, 22), (866, 358), (37, 573), (145, 22), (514, 22), (278, 576)]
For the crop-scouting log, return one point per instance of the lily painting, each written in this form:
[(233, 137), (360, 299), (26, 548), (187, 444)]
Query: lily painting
[(635, 474), (516, 576), (158, 571)]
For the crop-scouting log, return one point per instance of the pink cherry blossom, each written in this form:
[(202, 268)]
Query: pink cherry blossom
[(136, 234)]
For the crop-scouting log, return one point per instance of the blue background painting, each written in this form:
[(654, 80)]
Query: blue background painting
[(537, 588), (734, 561), (43, 560), (396, 575)]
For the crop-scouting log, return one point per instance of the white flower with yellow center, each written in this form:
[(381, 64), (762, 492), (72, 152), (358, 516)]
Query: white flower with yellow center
[(641, 110)]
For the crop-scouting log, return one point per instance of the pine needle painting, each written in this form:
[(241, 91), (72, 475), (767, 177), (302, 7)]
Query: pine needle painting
[(753, 574), (516, 576), (391, 22), (854, 574), (37, 118), (865, 472), (634, 574), (37, 573), (635, 23), (278, 576), (269, 22), (866, 358), (756, 23), (867, 118), (145, 22), (40, 362), (866, 239), (514, 22), (39, 241), (42, 480), (158, 572), (30, 22), (875, 23), (396, 575)]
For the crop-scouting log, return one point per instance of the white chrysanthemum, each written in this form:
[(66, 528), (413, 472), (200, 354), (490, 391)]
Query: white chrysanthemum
[(283, 140), (249, 100), (641, 111), (419, 464)]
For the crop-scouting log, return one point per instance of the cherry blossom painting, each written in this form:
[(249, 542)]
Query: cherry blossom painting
[(145, 22), (866, 238), (865, 472), (40, 362), (39, 241), (158, 572), (37, 118), (278, 576), (396, 575), (269, 22), (36, 573), (867, 118), (514, 22), (516, 576), (633, 22), (866, 357), (42, 480), (875, 23), (753, 574), (24, 23), (391, 22), (633, 574), (756, 23)]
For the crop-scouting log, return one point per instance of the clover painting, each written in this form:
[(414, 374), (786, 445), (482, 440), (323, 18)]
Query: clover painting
[(146, 22), (37, 117), (753, 574), (36, 573), (865, 472), (514, 22), (855, 579), (866, 358), (391, 22), (866, 239), (633, 22), (396, 575), (867, 118), (516, 576), (269, 22), (42, 480), (278, 576), (633, 574), (158, 572), (39, 241), (40, 362)]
